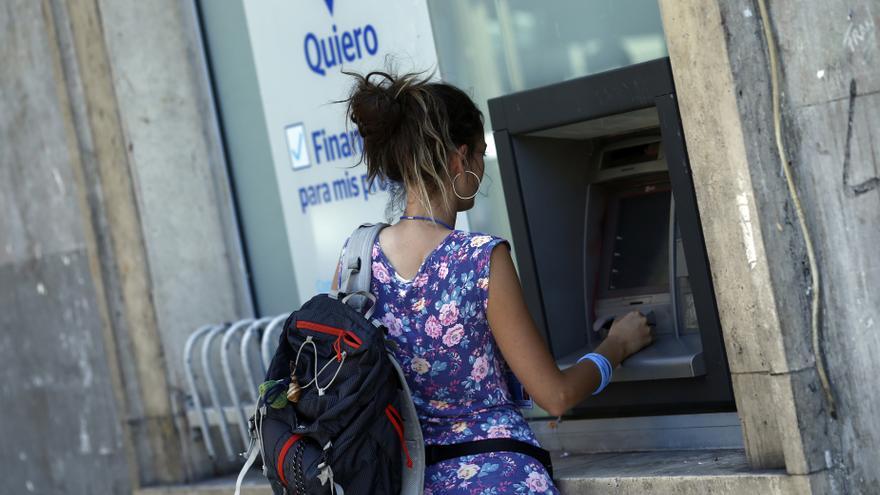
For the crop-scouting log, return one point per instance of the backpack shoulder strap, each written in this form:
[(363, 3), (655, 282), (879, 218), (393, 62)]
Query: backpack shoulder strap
[(413, 479), (356, 270)]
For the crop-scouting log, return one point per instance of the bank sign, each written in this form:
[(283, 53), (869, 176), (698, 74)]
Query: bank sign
[(300, 49)]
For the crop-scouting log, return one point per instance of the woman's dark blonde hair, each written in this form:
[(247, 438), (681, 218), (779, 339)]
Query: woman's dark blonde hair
[(409, 126)]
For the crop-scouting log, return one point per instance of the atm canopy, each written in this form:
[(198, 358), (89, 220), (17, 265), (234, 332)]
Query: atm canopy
[(608, 94)]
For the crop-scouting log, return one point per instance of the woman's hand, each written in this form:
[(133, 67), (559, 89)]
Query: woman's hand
[(631, 332), (525, 351)]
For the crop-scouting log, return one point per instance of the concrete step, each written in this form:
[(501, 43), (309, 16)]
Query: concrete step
[(719, 472), (254, 484)]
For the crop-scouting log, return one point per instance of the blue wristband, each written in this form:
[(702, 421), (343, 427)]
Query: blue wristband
[(604, 366)]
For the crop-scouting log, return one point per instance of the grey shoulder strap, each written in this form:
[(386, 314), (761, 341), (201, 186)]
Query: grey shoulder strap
[(413, 479), (356, 270)]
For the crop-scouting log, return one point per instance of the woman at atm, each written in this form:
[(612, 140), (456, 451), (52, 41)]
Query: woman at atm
[(452, 300)]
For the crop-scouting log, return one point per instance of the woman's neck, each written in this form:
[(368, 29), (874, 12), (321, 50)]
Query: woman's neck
[(438, 211)]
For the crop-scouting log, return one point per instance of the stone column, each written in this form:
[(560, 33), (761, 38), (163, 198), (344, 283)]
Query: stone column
[(828, 76), (118, 240)]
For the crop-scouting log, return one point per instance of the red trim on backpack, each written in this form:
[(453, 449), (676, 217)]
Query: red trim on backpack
[(342, 335), (397, 423), (279, 466), (396, 413)]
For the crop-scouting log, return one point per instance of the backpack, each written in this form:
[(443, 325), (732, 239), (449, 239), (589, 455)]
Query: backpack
[(335, 414)]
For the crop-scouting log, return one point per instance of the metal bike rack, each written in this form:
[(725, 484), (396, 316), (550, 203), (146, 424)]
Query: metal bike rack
[(270, 339), (194, 391), (252, 332), (257, 337), (212, 388), (230, 380)]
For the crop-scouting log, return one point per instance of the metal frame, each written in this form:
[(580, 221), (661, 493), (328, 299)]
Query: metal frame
[(519, 228), (638, 434), (228, 335), (213, 393), (252, 332), (270, 338), (624, 90), (257, 336), (194, 391), (608, 93), (691, 230)]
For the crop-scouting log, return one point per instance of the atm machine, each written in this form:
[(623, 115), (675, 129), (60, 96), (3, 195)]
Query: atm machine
[(605, 221)]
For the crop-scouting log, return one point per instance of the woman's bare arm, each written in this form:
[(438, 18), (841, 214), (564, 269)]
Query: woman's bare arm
[(526, 353)]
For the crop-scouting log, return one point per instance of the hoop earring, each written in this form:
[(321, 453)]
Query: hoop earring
[(472, 196)]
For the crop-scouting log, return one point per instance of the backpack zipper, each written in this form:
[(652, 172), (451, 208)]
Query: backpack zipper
[(279, 466), (341, 335)]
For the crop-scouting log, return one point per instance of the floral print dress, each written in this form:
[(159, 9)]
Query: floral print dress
[(454, 367)]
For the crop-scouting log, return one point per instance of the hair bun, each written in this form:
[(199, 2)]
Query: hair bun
[(375, 106)]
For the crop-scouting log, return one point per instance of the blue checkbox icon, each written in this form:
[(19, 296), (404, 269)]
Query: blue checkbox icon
[(297, 147)]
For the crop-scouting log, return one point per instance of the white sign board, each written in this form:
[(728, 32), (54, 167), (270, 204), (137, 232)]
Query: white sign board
[(300, 48)]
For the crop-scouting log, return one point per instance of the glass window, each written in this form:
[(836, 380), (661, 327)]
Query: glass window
[(491, 48)]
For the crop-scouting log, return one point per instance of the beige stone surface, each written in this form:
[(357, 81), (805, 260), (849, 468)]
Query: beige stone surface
[(734, 239), (109, 186), (761, 430), (677, 472), (680, 472), (828, 53), (722, 182)]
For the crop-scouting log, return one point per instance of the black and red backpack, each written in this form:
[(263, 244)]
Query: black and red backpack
[(335, 414)]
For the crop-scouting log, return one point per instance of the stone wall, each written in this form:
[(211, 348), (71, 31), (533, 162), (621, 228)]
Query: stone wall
[(828, 77), (117, 239)]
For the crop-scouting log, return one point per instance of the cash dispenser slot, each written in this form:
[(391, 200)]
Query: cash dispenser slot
[(604, 221)]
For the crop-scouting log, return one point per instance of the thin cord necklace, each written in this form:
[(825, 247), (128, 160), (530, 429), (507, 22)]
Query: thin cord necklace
[(427, 219)]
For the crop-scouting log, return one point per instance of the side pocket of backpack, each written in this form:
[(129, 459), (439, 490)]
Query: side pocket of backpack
[(397, 423), (279, 367), (278, 445), (385, 439)]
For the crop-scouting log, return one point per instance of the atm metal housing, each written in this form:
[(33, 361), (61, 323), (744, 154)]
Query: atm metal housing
[(548, 233)]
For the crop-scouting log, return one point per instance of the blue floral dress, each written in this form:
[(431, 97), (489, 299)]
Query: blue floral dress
[(454, 367)]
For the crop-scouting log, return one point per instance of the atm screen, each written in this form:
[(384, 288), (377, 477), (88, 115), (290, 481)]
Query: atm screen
[(639, 261)]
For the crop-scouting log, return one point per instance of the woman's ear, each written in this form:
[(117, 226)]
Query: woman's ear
[(458, 160)]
